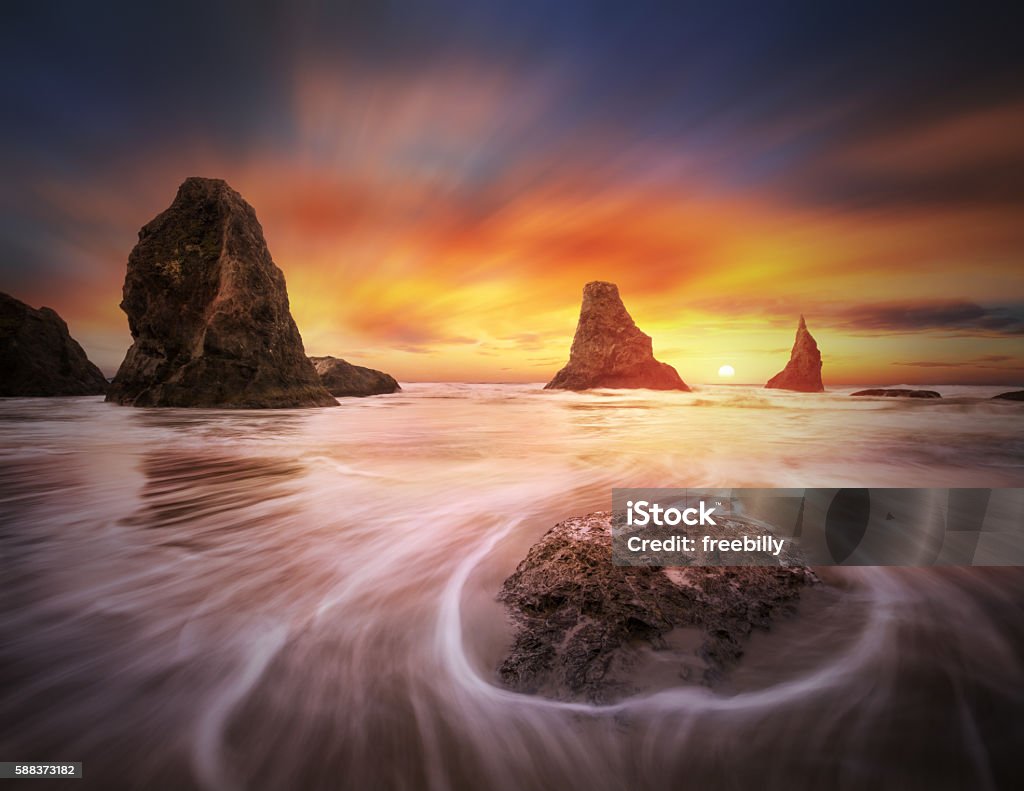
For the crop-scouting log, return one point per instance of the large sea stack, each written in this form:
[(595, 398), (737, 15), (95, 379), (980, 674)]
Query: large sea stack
[(803, 371), (208, 312), (609, 350), (38, 356), (343, 379)]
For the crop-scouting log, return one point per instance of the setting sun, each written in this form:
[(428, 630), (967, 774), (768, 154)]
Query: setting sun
[(726, 370)]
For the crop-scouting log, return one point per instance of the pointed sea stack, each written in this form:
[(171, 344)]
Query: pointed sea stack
[(208, 312), (609, 350), (38, 356), (803, 371), (343, 379)]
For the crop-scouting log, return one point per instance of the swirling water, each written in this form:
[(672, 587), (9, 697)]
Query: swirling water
[(305, 599)]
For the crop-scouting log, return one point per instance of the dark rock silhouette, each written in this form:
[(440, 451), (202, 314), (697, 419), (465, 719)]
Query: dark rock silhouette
[(609, 350), (580, 617), (803, 371), (341, 378), (208, 312), (1013, 395), (38, 356), (890, 392)]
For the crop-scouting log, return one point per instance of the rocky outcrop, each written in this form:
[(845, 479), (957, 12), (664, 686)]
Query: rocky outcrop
[(803, 371), (609, 350), (580, 619), (341, 378), (889, 392), (208, 312), (38, 356), (1013, 395)]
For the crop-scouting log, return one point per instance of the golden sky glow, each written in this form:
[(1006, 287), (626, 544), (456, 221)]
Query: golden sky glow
[(410, 245)]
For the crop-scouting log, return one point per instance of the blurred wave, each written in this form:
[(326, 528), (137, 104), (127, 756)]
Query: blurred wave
[(306, 599)]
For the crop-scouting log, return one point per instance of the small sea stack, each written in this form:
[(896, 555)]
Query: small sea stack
[(208, 312), (1013, 395), (38, 356), (343, 379), (896, 392), (609, 350), (803, 371)]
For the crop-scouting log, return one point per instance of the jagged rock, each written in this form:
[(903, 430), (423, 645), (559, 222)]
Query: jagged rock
[(341, 378), (579, 618), (803, 371), (38, 356), (1013, 395), (609, 350), (208, 312), (897, 393)]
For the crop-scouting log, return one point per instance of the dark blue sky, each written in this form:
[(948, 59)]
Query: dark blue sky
[(82, 81)]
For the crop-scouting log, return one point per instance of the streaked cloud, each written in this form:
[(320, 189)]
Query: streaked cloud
[(955, 316), (438, 185)]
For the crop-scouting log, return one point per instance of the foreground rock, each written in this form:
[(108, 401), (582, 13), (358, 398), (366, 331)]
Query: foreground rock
[(38, 356), (897, 393), (803, 371), (609, 350), (1013, 395), (341, 378), (208, 312), (582, 621)]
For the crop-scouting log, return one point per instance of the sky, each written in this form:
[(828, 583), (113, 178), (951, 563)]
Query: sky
[(439, 180)]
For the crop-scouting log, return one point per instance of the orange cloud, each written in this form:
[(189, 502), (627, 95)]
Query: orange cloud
[(418, 234)]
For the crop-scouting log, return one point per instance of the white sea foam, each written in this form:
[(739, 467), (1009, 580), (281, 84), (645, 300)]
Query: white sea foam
[(306, 598)]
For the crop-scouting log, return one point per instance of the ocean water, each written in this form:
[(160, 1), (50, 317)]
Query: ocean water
[(305, 599)]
